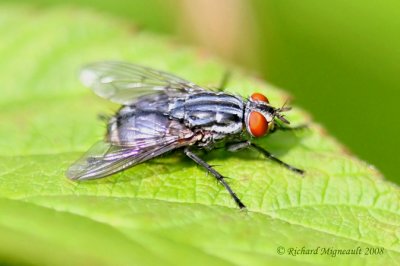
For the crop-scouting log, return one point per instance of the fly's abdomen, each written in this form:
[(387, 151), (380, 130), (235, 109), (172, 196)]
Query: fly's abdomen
[(217, 112), (141, 129)]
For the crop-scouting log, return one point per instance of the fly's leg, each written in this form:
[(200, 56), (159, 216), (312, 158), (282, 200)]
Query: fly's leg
[(224, 81), (241, 145), (103, 117), (273, 158), (217, 175), (283, 128), (286, 128), (237, 146)]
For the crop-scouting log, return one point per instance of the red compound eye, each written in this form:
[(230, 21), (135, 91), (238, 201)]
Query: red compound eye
[(259, 97), (258, 125)]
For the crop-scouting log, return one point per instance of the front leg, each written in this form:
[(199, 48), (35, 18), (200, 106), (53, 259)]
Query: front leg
[(273, 158), (237, 146), (279, 126), (233, 147)]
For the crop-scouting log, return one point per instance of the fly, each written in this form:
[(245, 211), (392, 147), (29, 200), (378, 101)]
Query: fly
[(162, 112)]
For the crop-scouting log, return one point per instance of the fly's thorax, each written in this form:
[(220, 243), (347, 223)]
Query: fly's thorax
[(258, 117), (216, 112)]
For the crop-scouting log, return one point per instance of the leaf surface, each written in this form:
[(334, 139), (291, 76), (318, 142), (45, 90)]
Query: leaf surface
[(167, 211)]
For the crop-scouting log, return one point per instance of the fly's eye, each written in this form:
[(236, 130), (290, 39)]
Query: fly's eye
[(258, 125), (259, 97)]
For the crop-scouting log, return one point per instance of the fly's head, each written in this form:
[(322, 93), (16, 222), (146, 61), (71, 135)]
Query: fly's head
[(260, 116)]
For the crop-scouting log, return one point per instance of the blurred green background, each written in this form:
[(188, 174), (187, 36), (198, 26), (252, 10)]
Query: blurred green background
[(339, 59)]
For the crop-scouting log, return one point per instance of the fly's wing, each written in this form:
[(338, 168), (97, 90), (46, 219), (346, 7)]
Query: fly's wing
[(134, 142), (101, 160), (104, 159), (123, 82)]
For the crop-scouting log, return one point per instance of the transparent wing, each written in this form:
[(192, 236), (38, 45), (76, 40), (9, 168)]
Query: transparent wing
[(101, 160), (123, 82), (136, 140), (104, 159)]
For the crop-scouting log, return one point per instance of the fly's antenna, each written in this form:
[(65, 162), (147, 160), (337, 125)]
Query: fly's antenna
[(282, 118), (284, 108)]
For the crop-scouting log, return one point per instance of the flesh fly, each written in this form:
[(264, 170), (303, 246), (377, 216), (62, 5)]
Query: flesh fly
[(161, 112)]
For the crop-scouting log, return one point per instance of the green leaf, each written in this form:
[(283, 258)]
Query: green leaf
[(167, 211)]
